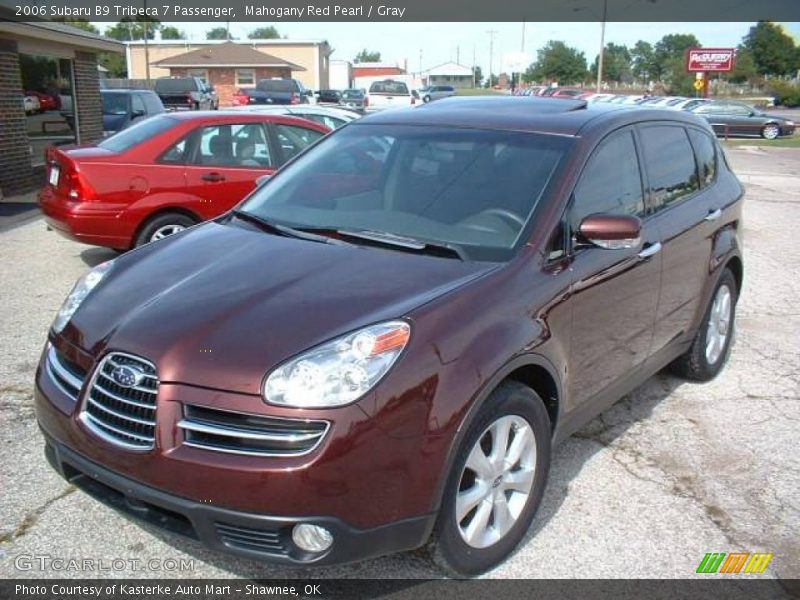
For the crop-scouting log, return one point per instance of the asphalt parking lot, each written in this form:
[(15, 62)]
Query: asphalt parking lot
[(673, 471)]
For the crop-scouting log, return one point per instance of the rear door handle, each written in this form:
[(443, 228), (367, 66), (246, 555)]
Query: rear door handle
[(213, 177), (650, 250), (713, 215)]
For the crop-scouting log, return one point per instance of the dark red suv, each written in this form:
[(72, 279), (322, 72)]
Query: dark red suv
[(378, 348)]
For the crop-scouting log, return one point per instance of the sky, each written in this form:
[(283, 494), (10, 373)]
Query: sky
[(444, 42)]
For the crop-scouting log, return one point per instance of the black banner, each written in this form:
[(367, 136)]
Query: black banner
[(275, 11)]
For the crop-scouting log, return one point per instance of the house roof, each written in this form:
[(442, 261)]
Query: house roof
[(449, 68), (229, 54), (61, 33)]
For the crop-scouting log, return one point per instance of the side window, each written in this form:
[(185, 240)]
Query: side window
[(176, 153), (705, 154), (293, 139), (611, 182), (669, 162), (328, 121), (240, 145), (153, 104), (137, 105)]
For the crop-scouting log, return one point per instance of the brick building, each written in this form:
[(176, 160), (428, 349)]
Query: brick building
[(60, 62), (229, 67)]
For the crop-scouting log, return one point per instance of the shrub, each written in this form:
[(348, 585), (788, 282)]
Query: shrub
[(786, 94)]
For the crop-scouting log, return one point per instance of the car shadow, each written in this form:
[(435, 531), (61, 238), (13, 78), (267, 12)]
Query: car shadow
[(569, 459), (95, 255)]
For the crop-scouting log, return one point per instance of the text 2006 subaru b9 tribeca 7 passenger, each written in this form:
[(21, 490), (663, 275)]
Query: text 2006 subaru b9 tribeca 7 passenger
[(377, 350)]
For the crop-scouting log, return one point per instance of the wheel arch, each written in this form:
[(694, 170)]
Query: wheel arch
[(163, 210)]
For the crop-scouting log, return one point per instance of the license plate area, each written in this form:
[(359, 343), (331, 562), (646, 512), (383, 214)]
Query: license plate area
[(55, 172)]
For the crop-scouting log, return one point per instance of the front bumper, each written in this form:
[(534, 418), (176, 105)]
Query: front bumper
[(245, 534)]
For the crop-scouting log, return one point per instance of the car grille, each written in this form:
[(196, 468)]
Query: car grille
[(239, 433), (124, 415), (245, 538), (67, 375)]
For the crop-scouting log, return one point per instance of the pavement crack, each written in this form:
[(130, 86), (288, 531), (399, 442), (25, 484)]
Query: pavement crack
[(30, 519)]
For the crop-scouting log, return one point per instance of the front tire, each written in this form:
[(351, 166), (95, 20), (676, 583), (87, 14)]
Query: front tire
[(770, 131), (426, 99), (712, 342), (163, 225), (496, 483)]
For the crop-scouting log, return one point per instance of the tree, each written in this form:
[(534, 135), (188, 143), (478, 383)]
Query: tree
[(172, 33), (80, 24), (478, 75), (264, 33), (669, 57), (744, 68), (367, 56), (616, 63), (133, 28), (774, 52), (218, 33), (556, 61), (643, 61), (114, 62)]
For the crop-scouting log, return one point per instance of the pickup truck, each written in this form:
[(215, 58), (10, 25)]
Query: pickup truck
[(279, 91), (178, 93), (389, 94)]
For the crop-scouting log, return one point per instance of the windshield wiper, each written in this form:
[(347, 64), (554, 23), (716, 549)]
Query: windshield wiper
[(399, 241), (287, 231)]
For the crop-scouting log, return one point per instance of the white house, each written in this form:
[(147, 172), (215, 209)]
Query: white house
[(449, 73)]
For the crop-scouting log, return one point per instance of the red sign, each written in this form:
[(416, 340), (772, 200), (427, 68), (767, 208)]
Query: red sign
[(709, 59)]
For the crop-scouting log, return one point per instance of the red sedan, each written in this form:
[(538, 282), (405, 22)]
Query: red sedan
[(46, 101), (165, 174)]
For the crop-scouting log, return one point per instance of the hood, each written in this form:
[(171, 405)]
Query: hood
[(220, 305)]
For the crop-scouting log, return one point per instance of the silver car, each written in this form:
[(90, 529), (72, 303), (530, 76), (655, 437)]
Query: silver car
[(436, 92)]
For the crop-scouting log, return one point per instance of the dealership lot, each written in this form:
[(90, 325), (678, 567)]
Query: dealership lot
[(673, 471)]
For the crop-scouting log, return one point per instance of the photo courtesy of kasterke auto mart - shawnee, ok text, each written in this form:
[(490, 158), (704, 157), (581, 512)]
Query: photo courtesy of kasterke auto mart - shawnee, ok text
[(352, 300)]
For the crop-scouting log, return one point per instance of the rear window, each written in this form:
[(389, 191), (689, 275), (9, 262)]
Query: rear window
[(277, 85), (389, 87), (169, 86), (135, 135), (352, 94)]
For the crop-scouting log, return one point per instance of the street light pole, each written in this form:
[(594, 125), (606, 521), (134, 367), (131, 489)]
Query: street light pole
[(491, 33), (602, 47)]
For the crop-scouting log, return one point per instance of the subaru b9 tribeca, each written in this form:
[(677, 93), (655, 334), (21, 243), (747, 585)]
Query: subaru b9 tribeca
[(377, 350)]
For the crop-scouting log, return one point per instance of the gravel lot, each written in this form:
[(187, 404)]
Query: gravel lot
[(673, 471)]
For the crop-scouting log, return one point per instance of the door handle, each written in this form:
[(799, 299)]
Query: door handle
[(713, 215), (213, 177), (650, 250)]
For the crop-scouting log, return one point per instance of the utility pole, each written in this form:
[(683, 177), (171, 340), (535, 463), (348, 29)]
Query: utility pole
[(420, 63), (458, 55), (492, 33), (146, 49), (602, 47), (474, 75), (522, 46)]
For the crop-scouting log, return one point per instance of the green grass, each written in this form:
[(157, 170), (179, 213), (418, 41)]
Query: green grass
[(477, 92), (787, 142)]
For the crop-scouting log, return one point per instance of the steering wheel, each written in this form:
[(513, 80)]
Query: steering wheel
[(508, 216)]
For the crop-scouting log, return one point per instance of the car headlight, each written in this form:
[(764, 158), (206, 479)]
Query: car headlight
[(340, 371), (82, 288), (790, 123)]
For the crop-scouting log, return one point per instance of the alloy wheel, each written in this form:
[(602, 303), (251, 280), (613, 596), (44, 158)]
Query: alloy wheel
[(771, 132), (496, 481), (166, 230), (719, 321)]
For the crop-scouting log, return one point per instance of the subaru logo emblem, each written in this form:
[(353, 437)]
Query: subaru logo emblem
[(126, 376)]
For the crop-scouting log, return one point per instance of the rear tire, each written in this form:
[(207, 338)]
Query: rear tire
[(495, 510), (770, 131), (712, 342), (163, 225)]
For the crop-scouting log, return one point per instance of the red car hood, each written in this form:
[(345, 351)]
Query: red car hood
[(220, 305)]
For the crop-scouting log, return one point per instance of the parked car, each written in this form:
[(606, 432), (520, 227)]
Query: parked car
[(46, 101), (165, 174), (685, 103), (122, 108), (389, 94), (329, 116), (329, 97), (283, 91), (436, 92), (380, 347), (728, 117), (354, 99), (31, 104), (183, 93)]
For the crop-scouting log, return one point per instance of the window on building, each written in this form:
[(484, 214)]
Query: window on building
[(245, 77)]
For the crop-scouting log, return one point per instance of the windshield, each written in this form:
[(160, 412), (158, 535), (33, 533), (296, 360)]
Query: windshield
[(277, 85), (474, 189), (175, 85), (115, 104), (138, 133), (388, 87)]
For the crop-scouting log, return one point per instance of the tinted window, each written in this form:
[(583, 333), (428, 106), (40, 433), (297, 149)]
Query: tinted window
[(152, 103), (142, 131), (277, 85), (326, 120), (704, 151), (293, 139), (669, 162), (353, 94), (176, 153), (168, 86), (137, 104), (611, 182), (114, 104), (242, 145), (466, 187), (388, 87)]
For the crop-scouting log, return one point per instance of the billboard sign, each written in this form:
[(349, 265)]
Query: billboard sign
[(709, 59)]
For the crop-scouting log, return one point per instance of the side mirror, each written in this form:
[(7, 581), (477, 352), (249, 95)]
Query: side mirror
[(261, 180), (612, 232)]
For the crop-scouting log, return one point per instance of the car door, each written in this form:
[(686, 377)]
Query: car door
[(290, 140), (686, 215), (224, 163), (614, 292), (741, 120)]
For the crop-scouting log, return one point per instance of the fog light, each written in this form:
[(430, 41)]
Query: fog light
[(312, 538)]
